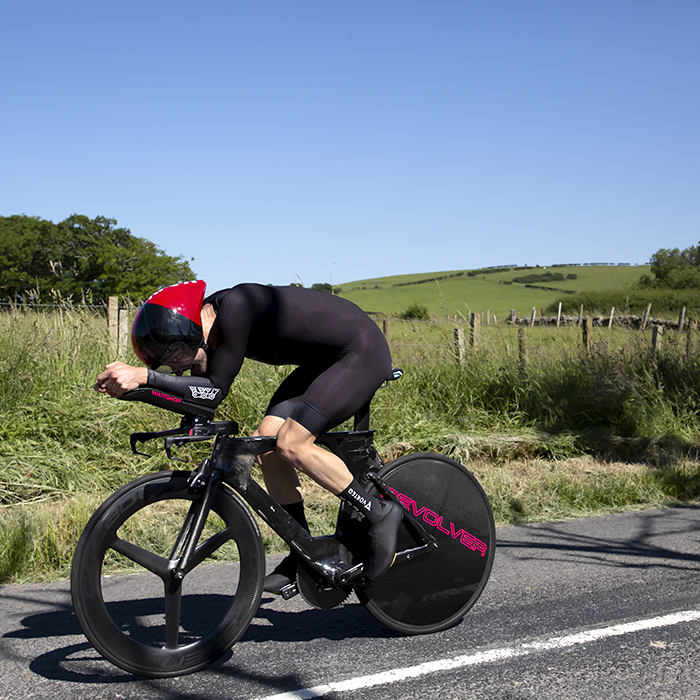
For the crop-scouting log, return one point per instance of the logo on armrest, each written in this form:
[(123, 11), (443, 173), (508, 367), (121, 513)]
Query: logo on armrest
[(204, 392), (167, 397)]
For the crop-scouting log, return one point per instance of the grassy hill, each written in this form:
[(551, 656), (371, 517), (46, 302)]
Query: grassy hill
[(462, 292)]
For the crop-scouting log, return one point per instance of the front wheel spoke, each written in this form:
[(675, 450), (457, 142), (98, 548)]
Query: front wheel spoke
[(148, 560), (173, 600), (207, 548)]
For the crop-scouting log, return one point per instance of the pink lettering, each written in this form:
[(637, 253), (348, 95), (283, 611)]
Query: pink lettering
[(469, 541), (161, 395), (432, 518), (439, 526)]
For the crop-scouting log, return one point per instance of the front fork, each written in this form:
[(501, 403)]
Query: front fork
[(191, 531)]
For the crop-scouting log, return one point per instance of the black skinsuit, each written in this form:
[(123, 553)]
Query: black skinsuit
[(341, 354)]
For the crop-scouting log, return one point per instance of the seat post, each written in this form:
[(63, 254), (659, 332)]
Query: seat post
[(362, 418)]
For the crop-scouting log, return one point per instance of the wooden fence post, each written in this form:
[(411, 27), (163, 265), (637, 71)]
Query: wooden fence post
[(522, 346), (459, 346), (474, 326), (612, 315), (681, 319), (559, 315), (586, 333), (123, 331), (533, 316), (387, 330), (580, 316), (113, 324), (656, 338), (513, 317), (645, 316), (690, 338)]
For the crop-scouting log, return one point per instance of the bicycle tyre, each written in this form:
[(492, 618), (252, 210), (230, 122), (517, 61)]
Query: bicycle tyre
[(434, 592), (132, 633)]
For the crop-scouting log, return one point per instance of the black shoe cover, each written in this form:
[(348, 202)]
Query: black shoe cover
[(283, 574), (382, 538)]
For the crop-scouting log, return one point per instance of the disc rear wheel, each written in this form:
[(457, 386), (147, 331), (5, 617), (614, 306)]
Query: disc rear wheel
[(435, 591)]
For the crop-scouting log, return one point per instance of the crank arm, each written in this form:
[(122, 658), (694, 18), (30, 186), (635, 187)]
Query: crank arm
[(411, 554)]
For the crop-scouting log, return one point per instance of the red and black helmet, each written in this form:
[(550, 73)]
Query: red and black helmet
[(169, 323)]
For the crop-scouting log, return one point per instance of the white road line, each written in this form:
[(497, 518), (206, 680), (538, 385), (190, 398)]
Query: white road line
[(486, 657)]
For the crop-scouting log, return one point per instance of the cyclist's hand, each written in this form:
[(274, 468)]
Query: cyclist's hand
[(118, 378)]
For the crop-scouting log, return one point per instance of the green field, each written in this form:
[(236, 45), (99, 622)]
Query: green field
[(455, 293), (557, 432)]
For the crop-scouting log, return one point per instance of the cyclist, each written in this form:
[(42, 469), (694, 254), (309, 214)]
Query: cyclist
[(341, 359)]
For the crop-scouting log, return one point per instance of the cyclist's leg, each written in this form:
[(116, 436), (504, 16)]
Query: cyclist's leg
[(296, 450), (280, 477), (283, 485), (324, 394), (297, 445)]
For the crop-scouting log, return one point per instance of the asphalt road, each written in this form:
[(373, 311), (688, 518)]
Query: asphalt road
[(605, 607)]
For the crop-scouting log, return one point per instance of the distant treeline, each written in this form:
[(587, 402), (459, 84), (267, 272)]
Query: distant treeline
[(546, 277)]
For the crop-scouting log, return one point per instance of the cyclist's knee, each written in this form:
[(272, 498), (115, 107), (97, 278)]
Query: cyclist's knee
[(293, 440), (269, 425)]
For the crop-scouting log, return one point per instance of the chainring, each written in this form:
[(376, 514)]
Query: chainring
[(318, 592)]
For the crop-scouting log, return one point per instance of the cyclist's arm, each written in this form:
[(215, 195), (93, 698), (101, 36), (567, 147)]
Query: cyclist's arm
[(118, 378), (186, 387), (234, 319)]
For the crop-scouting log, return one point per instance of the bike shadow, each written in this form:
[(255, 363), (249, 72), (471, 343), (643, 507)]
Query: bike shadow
[(73, 659), (350, 620)]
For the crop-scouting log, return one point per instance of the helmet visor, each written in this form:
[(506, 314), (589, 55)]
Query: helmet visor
[(161, 336), (178, 356)]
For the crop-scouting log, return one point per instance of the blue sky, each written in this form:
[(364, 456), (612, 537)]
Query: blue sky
[(323, 140)]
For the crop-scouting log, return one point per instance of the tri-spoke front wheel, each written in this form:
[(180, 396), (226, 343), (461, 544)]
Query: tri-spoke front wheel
[(153, 623)]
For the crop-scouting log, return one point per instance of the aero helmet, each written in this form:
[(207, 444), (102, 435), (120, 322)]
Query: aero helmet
[(169, 323)]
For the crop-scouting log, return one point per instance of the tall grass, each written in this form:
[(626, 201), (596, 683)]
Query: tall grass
[(571, 431), (620, 386)]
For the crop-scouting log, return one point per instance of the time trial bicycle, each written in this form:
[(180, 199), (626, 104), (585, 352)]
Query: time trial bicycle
[(444, 555)]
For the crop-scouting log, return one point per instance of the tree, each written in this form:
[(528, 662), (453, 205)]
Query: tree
[(416, 312), (674, 269), (82, 256), (326, 287)]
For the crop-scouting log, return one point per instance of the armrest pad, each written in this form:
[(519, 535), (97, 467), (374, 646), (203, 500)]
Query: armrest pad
[(169, 401)]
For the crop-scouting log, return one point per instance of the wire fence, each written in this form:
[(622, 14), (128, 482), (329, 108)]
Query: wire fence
[(462, 340), (451, 338)]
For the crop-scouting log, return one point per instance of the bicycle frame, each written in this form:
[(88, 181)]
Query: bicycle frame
[(182, 634), (231, 462)]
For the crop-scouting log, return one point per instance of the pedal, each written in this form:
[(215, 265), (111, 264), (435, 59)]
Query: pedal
[(289, 591)]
